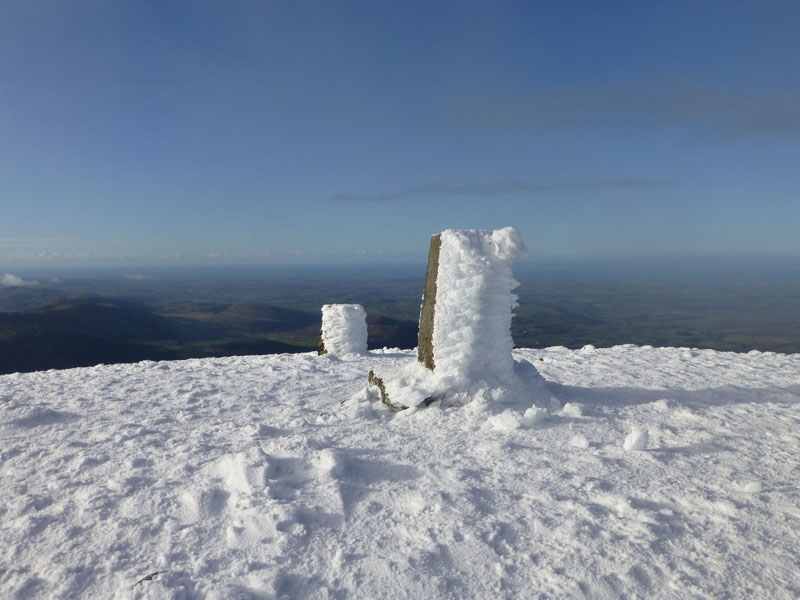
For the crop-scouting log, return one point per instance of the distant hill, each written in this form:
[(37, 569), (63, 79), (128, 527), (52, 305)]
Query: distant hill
[(18, 299), (113, 319), (264, 318), (385, 332), (70, 332), (26, 348)]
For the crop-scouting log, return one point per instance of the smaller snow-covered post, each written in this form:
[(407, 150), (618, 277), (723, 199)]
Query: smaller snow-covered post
[(344, 330)]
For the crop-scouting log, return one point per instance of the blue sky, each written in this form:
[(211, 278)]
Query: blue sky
[(272, 131)]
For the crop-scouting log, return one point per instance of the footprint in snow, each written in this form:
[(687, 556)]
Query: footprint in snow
[(753, 487), (636, 441), (44, 417)]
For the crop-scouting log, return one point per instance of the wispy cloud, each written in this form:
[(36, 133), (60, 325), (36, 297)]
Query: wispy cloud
[(719, 113), (50, 256), (36, 241), (500, 188), (9, 280)]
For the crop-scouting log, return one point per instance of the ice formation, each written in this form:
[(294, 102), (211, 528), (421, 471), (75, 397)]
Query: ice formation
[(471, 327), (474, 300), (344, 329)]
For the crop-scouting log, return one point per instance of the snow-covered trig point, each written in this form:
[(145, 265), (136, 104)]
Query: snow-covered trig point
[(344, 330), (465, 323)]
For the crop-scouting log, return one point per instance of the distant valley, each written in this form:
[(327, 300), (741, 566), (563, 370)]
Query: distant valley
[(83, 321)]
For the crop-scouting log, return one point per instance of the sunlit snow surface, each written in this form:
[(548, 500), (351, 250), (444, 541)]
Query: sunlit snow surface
[(246, 477)]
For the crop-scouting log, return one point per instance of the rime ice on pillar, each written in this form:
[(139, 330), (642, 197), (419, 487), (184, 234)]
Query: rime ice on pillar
[(465, 343), (344, 329), (470, 328)]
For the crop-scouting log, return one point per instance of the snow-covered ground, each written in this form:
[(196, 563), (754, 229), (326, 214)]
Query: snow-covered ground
[(247, 477)]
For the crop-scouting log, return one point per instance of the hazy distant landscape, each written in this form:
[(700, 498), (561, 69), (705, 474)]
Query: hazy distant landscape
[(92, 316)]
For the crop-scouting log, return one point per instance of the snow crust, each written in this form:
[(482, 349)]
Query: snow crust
[(344, 329), (279, 477)]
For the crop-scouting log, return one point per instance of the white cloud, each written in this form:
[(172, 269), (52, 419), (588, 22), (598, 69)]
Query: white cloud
[(135, 276), (9, 280)]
